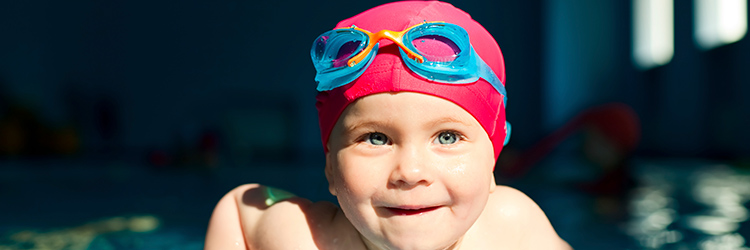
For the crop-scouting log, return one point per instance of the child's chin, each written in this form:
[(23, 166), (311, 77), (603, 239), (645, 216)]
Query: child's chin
[(421, 242), (412, 246)]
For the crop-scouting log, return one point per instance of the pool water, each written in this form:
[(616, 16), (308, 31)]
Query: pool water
[(675, 204), (117, 205), (702, 205)]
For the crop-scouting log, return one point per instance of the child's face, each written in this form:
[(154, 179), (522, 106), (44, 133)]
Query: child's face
[(410, 171)]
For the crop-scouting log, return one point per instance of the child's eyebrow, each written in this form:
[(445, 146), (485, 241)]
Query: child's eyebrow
[(448, 120), (360, 125), (378, 124)]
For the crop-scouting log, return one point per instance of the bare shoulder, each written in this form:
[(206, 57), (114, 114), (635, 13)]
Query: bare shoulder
[(244, 219), (509, 203), (520, 220)]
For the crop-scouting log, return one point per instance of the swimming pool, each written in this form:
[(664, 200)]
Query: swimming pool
[(674, 204), (73, 204)]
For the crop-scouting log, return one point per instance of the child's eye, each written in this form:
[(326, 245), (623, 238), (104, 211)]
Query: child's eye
[(377, 138), (447, 137)]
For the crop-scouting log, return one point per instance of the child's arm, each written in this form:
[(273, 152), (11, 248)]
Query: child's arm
[(224, 228), (253, 216)]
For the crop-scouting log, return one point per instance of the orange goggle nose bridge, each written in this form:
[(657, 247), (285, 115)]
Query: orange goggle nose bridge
[(374, 38)]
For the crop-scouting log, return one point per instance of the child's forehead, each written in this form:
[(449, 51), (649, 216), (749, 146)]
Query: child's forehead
[(409, 107)]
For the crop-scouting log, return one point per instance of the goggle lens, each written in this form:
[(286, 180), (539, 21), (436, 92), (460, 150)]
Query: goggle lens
[(346, 52), (334, 48), (435, 48)]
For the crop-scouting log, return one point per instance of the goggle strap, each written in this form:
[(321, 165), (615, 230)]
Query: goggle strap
[(486, 73), (507, 133)]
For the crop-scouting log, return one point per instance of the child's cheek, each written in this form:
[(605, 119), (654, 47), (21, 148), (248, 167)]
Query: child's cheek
[(458, 168), (454, 163)]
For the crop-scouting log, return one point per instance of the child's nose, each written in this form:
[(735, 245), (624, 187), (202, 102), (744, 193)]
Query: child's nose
[(411, 168)]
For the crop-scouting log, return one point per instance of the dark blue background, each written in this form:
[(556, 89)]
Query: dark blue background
[(171, 69)]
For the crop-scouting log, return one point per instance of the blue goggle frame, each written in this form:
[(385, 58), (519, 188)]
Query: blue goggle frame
[(335, 55)]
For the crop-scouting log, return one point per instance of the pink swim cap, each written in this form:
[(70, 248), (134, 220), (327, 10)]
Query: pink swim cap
[(388, 73)]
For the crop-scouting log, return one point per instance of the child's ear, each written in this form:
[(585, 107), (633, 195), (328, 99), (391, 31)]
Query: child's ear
[(329, 174)]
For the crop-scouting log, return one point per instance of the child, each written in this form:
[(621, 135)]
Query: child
[(411, 126)]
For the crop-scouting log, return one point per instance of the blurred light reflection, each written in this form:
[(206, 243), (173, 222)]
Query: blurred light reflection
[(724, 193), (652, 210), (713, 225), (80, 237), (653, 32), (719, 22), (717, 191), (723, 242)]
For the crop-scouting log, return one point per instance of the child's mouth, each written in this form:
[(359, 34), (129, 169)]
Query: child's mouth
[(411, 211)]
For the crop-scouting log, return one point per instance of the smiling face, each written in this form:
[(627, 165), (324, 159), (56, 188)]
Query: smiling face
[(410, 171)]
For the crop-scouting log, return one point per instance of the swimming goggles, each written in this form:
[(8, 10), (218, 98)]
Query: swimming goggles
[(342, 55)]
